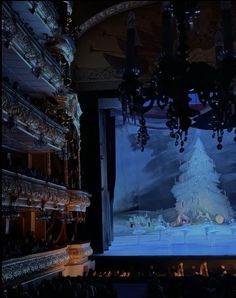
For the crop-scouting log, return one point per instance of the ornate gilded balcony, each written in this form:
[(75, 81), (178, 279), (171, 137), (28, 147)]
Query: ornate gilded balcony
[(21, 190), (70, 104), (78, 259), (62, 46), (24, 191), (17, 36), (71, 260), (79, 200), (28, 266), (31, 121), (46, 11)]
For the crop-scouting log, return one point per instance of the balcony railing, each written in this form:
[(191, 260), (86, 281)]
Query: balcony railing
[(16, 35), (24, 191), (30, 120), (47, 13), (67, 260), (28, 266)]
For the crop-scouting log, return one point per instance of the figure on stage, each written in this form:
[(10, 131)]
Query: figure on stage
[(180, 271), (204, 269), (160, 220), (181, 220), (203, 217)]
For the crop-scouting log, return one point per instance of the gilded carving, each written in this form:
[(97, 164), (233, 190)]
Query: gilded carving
[(74, 110), (20, 189), (78, 200), (31, 119), (31, 264), (62, 45), (46, 11), (101, 74), (78, 252), (9, 28), (15, 35), (110, 11)]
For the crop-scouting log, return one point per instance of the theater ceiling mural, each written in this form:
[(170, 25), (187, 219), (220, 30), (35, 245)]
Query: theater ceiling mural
[(101, 47)]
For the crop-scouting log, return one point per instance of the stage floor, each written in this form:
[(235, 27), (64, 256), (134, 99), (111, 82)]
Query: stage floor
[(203, 240)]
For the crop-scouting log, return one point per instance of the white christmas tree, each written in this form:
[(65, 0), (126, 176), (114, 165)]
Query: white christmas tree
[(197, 192)]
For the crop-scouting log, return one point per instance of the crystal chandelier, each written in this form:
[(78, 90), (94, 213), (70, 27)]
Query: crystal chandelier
[(174, 78)]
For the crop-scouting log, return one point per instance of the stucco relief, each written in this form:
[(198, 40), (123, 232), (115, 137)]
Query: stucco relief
[(32, 264), (29, 118)]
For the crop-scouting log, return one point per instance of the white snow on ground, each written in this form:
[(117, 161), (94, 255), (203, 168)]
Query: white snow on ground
[(199, 239)]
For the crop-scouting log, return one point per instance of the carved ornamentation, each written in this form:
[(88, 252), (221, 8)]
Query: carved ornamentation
[(115, 9), (9, 28), (30, 119), (17, 35), (23, 188), (18, 189), (20, 268), (78, 253), (74, 110), (79, 200), (28, 49), (98, 74), (66, 47), (63, 45), (47, 12)]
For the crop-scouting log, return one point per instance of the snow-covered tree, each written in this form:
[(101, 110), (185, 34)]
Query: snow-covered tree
[(197, 193)]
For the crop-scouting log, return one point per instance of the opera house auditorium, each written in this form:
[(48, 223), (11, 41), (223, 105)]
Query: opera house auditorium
[(118, 149)]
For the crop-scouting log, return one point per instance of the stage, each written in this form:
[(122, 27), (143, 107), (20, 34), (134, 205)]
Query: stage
[(187, 240), (192, 244)]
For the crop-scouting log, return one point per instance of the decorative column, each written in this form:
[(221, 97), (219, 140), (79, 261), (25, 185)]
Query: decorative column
[(79, 169), (40, 229), (32, 220), (62, 237), (49, 170), (66, 179), (29, 160), (29, 221), (7, 225)]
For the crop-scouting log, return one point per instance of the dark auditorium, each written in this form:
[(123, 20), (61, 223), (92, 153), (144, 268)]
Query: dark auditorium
[(118, 149)]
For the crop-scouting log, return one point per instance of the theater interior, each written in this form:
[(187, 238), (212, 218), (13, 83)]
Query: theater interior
[(118, 149)]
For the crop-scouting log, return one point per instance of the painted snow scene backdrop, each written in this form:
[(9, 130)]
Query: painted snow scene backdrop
[(175, 197)]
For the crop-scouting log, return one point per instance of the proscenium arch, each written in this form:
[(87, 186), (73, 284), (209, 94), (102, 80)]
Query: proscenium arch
[(111, 11)]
